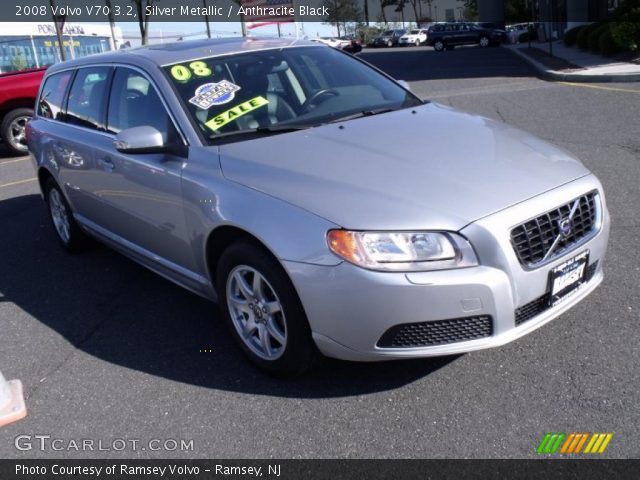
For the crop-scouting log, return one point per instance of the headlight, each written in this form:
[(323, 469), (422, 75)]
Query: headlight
[(402, 251)]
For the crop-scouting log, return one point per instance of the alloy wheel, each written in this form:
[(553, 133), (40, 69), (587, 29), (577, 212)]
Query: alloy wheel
[(59, 215), (256, 312), (17, 136)]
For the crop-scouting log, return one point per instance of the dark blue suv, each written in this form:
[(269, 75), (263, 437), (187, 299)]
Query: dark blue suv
[(446, 36)]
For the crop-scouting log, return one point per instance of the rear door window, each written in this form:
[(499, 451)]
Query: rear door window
[(52, 96), (87, 98)]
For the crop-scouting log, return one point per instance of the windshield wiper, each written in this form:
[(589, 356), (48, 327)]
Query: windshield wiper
[(261, 130), (364, 113)]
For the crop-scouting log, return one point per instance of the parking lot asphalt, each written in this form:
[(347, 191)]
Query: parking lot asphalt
[(107, 350)]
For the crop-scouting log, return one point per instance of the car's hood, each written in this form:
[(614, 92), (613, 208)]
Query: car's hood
[(430, 168)]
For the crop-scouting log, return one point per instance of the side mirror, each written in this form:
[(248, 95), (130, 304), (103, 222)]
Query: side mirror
[(143, 139), (404, 84)]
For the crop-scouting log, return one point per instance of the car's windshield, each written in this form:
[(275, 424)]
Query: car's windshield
[(415, 32), (273, 89)]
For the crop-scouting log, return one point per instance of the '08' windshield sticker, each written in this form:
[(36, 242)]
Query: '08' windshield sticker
[(210, 94), (241, 109)]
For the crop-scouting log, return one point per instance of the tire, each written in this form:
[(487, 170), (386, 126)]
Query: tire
[(68, 232), (439, 46), (417, 44), (484, 42), (288, 349), (12, 130), (389, 44)]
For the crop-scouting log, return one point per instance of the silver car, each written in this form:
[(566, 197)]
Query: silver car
[(281, 179)]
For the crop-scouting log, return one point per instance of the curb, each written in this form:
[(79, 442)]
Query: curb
[(555, 76)]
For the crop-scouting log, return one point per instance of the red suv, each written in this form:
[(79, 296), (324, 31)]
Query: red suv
[(18, 92)]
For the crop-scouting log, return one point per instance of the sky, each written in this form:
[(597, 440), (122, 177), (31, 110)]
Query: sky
[(170, 31)]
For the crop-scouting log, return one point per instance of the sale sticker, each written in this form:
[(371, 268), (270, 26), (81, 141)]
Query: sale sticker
[(230, 115)]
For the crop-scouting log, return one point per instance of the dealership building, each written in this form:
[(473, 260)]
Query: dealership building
[(29, 45)]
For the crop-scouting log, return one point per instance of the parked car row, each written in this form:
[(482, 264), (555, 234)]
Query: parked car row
[(443, 36)]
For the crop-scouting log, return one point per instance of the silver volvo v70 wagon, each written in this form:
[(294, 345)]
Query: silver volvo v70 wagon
[(284, 180)]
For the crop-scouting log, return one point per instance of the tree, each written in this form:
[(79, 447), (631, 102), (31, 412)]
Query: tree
[(414, 4), (470, 9), (516, 11), (143, 19), (19, 61), (341, 12), (383, 5), (625, 28), (112, 24)]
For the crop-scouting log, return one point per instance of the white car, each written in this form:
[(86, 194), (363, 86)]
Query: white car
[(514, 31), (413, 37), (332, 41)]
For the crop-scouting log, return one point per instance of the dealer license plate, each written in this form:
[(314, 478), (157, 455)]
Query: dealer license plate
[(568, 276)]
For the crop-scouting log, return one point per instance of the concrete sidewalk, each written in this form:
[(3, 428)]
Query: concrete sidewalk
[(588, 67)]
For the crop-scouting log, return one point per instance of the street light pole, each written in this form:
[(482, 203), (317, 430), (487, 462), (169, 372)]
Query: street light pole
[(58, 31), (206, 18)]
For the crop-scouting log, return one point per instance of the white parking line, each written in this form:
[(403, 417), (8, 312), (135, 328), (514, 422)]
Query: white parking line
[(14, 161), (19, 182)]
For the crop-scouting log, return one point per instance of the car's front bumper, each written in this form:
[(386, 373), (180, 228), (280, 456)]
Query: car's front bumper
[(350, 308)]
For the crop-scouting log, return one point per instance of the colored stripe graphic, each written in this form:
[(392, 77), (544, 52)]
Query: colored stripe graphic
[(573, 443), (598, 443), (550, 443)]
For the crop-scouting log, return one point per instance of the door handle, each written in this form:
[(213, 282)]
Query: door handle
[(106, 164)]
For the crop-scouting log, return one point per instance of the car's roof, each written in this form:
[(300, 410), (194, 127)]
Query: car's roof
[(182, 51)]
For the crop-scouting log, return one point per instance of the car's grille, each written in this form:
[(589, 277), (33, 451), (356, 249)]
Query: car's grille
[(533, 239), (542, 303), (438, 332)]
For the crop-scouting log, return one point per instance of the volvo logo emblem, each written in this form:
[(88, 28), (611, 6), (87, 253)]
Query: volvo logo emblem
[(565, 225)]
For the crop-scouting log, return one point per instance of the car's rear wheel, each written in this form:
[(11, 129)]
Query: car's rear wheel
[(69, 234), (263, 311), (438, 46), (13, 128), (484, 42)]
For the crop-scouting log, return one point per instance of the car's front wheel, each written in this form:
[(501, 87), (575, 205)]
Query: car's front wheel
[(484, 42), (389, 44), (13, 130), (438, 46), (71, 237), (263, 311)]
